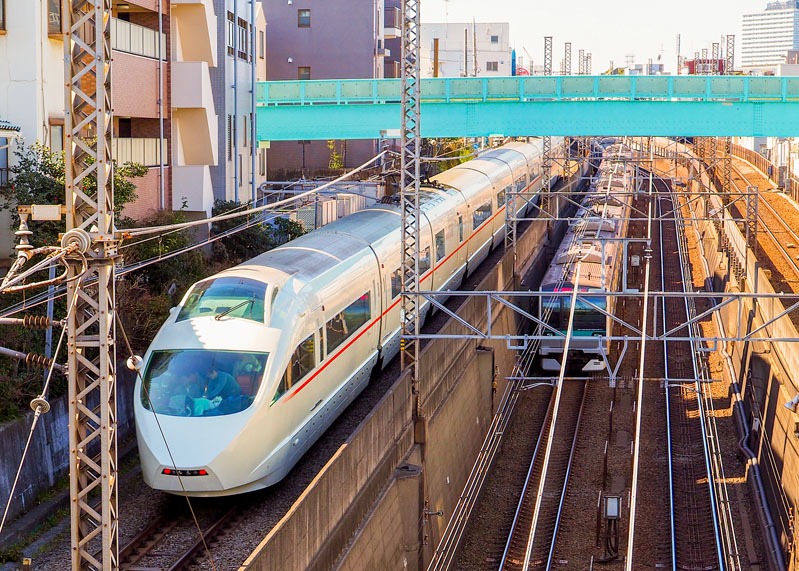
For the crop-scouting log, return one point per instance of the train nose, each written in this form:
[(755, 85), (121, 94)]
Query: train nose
[(195, 481)]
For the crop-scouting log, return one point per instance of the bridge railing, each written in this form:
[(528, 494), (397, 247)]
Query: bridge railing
[(532, 88)]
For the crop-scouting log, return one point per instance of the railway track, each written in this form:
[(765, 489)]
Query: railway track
[(177, 538), (781, 237), (694, 533), (534, 529)]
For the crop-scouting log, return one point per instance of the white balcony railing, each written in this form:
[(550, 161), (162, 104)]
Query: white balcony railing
[(135, 39), (137, 150)]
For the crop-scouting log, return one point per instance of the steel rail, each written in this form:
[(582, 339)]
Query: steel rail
[(672, 521), (698, 387)]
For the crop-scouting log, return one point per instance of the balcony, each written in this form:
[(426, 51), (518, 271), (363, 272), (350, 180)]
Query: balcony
[(392, 69), (136, 40), (192, 189), (392, 23), (194, 30), (138, 150), (194, 114)]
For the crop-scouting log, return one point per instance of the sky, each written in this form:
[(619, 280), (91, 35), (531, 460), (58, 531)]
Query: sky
[(609, 29)]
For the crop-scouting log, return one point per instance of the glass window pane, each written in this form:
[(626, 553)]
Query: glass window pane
[(231, 297), (396, 283), (53, 16), (304, 18), (200, 382), (358, 312), (440, 250), (303, 73), (424, 260)]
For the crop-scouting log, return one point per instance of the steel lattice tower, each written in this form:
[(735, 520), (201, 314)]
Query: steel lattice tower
[(580, 62), (729, 55), (546, 166), (409, 190), (714, 70), (567, 59), (91, 333)]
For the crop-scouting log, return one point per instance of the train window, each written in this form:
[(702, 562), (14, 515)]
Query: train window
[(396, 283), (229, 297), (337, 332), (200, 382), (501, 197), (460, 229), (345, 323), (303, 361), (440, 250), (482, 214), (424, 260), (358, 312), (521, 182)]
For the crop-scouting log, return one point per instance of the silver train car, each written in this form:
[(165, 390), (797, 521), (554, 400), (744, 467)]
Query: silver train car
[(257, 361), (593, 237)]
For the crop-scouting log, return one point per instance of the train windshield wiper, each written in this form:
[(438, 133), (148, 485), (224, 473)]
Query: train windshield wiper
[(219, 316)]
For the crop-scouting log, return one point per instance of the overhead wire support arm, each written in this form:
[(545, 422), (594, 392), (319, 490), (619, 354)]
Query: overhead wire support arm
[(90, 327)]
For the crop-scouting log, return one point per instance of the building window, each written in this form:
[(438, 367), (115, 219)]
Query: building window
[(4, 171), (241, 172), (56, 132), (244, 39), (494, 39), (230, 137), (53, 17), (244, 131), (262, 162), (261, 44), (492, 66), (303, 18), (2, 14), (303, 73), (231, 33)]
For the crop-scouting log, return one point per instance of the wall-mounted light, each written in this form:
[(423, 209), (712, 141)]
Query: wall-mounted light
[(290, 2), (290, 60), (791, 404)]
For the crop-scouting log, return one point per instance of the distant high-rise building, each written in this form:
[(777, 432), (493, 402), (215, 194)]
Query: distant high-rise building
[(768, 35)]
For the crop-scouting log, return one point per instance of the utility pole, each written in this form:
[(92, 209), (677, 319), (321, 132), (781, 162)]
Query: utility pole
[(410, 140), (91, 332)]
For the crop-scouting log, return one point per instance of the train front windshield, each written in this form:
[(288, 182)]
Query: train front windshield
[(227, 296), (587, 317), (200, 382)]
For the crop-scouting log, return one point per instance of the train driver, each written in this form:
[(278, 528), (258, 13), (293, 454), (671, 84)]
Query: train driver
[(213, 388)]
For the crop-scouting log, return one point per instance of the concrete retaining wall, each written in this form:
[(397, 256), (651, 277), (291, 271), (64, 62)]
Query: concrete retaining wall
[(47, 459)]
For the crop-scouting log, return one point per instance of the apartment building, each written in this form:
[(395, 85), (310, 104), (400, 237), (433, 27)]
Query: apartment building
[(241, 62), (161, 95), (320, 39), (476, 49), (767, 36)]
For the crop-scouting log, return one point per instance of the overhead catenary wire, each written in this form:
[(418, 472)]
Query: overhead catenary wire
[(40, 406), (228, 216)]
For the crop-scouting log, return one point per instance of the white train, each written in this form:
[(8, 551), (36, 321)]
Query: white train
[(593, 237), (258, 360)]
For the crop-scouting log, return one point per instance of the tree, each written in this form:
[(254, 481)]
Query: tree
[(38, 178), (250, 242)]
